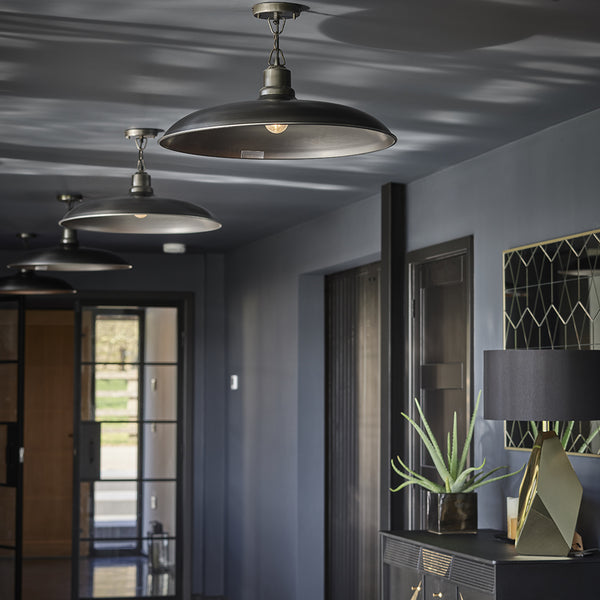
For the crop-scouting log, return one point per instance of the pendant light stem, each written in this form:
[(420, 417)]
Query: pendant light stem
[(141, 183), (141, 142), (276, 56)]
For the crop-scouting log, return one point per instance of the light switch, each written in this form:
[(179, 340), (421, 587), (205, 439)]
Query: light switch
[(233, 382)]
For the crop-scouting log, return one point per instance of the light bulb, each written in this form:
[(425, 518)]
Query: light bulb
[(276, 128), (140, 216)]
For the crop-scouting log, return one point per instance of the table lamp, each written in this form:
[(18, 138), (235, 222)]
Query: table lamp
[(544, 385)]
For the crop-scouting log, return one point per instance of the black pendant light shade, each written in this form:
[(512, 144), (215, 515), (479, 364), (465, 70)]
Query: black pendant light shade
[(140, 214), (312, 130), (140, 211), (28, 283), (277, 125), (69, 255)]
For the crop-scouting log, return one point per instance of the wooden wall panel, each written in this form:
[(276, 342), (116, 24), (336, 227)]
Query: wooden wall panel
[(48, 464)]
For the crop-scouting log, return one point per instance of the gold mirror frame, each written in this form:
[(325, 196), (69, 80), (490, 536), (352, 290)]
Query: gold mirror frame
[(552, 300)]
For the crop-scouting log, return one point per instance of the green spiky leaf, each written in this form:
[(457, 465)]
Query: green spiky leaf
[(452, 471)]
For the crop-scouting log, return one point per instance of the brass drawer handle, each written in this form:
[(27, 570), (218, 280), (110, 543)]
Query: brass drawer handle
[(438, 595), (416, 591)]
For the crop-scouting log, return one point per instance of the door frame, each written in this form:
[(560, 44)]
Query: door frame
[(17, 453), (184, 302), (414, 261)]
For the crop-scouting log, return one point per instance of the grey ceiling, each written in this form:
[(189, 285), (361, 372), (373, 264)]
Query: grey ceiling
[(451, 78)]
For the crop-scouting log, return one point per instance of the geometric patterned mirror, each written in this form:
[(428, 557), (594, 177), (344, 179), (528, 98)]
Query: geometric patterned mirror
[(552, 300)]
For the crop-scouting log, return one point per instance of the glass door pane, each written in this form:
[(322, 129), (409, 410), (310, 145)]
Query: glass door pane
[(128, 452), (11, 435)]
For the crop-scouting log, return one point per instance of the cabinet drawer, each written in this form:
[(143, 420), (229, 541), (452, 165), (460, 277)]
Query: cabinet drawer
[(404, 584), (437, 588)]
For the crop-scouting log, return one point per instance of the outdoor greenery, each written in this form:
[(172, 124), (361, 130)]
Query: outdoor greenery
[(111, 385), (117, 339), (452, 468)]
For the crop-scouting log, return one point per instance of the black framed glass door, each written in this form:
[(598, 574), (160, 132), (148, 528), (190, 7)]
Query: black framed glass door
[(128, 466), (11, 447)]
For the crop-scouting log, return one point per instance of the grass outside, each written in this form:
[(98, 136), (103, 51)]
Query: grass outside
[(112, 402), (111, 385), (118, 438)]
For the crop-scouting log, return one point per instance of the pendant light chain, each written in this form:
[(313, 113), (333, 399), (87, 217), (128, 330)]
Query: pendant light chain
[(141, 142), (276, 25)]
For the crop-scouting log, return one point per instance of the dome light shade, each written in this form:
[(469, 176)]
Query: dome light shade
[(28, 283), (140, 214), (140, 211), (277, 125), (70, 258), (314, 130), (69, 255)]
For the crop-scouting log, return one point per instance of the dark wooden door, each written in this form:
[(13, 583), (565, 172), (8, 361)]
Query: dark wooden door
[(12, 333), (440, 359), (353, 432)]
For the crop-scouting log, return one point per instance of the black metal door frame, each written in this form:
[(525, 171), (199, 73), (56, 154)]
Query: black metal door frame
[(184, 304), (416, 261), (15, 448)]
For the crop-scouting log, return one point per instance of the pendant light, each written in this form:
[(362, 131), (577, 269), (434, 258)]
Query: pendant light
[(140, 211), (28, 283), (277, 125), (69, 255)]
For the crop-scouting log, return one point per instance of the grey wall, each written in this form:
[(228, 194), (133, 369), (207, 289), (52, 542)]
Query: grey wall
[(258, 452), (535, 189), (202, 275), (538, 188), (275, 419)]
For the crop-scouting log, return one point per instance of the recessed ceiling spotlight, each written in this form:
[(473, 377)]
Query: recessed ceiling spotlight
[(173, 248)]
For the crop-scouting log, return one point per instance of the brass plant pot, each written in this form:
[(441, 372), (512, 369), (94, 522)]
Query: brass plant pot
[(452, 513)]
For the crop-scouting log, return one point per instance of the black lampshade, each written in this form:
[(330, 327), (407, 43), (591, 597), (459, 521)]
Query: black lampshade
[(541, 385)]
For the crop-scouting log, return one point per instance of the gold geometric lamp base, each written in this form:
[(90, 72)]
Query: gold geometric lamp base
[(549, 500), (544, 385)]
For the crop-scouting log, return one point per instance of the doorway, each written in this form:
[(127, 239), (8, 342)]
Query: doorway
[(353, 432), (127, 476), (99, 479), (440, 351)]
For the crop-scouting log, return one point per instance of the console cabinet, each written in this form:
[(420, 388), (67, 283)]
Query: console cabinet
[(417, 565)]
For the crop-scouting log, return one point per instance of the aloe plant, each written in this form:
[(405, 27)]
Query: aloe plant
[(564, 431), (452, 468)]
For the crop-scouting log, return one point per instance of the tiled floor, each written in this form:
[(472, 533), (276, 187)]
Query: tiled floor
[(124, 577)]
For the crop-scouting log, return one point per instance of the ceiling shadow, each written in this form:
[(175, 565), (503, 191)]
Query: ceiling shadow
[(443, 26)]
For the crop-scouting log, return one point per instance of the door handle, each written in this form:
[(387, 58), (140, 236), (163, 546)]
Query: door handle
[(416, 591)]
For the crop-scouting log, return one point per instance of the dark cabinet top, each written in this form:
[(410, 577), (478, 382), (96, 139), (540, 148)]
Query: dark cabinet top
[(486, 545)]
